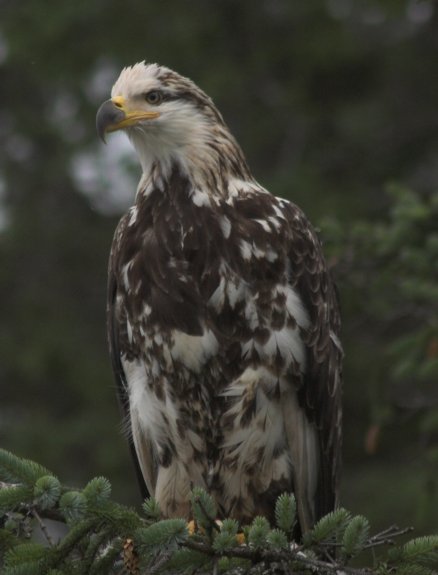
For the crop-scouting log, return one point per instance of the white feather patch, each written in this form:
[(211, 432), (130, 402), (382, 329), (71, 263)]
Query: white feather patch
[(236, 291), (225, 225), (153, 423), (286, 341), (124, 271), (147, 310), (264, 225), (271, 255), (253, 445), (278, 211), (200, 198), (237, 187), (193, 350), (302, 439), (274, 221), (247, 379), (245, 250), (289, 344), (129, 330), (132, 215), (251, 314), (294, 305), (217, 298), (296, 309)]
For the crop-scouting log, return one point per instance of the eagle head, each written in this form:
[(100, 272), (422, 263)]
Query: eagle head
[(164, 114), (169, 120)]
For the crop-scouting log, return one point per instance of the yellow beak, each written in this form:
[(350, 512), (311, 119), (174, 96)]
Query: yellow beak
[(113, 115)]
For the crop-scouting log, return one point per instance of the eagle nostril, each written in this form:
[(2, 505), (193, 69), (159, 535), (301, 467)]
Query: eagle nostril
[(118, 101)]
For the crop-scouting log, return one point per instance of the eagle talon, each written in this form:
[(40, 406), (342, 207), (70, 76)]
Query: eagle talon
[(192, 528)]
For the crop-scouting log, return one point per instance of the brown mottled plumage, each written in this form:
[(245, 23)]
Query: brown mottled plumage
[(223, 321)]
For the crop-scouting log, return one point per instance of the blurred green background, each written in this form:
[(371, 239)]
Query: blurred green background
[(335, 103)]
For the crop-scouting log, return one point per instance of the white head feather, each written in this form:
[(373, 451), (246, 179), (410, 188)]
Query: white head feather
[(189, 130)]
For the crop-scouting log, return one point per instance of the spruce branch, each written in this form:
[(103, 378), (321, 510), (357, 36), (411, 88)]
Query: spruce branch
[(386, 537), (99, 529), (42, 526), (14, 469), (270, 556)]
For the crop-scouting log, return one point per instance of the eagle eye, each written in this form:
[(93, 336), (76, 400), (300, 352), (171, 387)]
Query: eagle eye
[(154, 97)]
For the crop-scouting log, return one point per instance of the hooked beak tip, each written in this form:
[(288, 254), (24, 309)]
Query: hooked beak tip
[(108, 115)]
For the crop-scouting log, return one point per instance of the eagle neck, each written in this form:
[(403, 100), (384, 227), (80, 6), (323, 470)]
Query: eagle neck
[(208, 170)]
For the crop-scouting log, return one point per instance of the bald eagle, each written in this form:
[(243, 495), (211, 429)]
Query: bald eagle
[(223, 320)]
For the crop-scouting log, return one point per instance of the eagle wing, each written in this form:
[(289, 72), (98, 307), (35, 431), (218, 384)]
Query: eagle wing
[(142, 453), (320, 395)]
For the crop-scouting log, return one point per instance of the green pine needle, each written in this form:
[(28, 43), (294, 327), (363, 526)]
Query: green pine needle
[(151, 509), (165, 533), (24, 558), (125, 520), (12, 497), (73, 506), (329, 528), (47, 491), (277, 539), (79, 532), (224, 540), (355, 536), (422, 551), (285, 512), (230, 526), (414, 570), (204, 508), (258, 532), (97, 491), (7, 539), (17, 470), (186, 560), (106, 561)]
